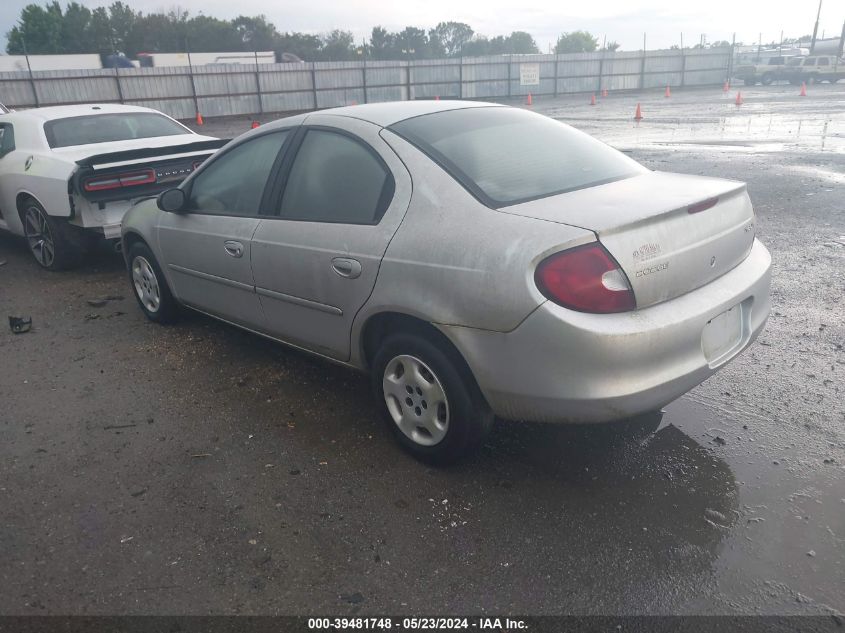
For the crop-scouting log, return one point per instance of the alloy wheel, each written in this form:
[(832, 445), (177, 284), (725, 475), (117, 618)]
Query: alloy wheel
[(39, 237)]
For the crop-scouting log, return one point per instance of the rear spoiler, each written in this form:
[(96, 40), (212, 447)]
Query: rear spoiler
[(151, 152)]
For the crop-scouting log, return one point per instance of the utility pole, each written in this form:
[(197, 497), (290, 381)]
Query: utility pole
[(842, 40), (816, 28), (29, 68)]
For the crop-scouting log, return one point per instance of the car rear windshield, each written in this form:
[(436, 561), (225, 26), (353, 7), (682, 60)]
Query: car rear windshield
[(105, 128), (505, 156)]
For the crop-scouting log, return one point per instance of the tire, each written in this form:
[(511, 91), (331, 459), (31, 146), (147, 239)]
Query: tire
[(447, 418), (150, 286), (749, 82), (767, 79), (55, 244)]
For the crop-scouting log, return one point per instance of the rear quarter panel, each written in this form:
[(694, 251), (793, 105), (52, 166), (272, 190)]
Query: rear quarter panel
[(46, 180), (454, 261)]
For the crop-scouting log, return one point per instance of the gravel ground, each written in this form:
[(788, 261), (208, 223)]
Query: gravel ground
[(196, 469)]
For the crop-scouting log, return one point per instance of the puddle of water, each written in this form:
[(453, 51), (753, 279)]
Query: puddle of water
[(784, 549)]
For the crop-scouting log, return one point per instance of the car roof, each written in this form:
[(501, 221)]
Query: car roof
[(51, 113), (388, 113)]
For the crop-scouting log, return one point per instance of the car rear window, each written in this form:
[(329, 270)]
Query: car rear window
[(505, 156), (105, 128)]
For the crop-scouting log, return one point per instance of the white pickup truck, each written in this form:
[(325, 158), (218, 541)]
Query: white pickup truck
[(69, 173)]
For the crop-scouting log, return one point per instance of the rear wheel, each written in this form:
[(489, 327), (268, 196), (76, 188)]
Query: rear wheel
[(767, 79), (55, 244), (432, 407), (149, 285)]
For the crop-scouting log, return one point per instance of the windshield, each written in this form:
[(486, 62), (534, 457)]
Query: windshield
[(105, 128), (505, 156)]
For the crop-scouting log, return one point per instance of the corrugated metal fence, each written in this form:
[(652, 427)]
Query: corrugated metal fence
[(221, 90)]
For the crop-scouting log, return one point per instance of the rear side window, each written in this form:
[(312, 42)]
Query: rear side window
[(506, 156), (824, 61), (336, 178), (107, 128), (233, 184), (7, 138)]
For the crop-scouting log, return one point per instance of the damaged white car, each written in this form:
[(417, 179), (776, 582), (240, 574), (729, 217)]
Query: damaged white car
[(69, 173)]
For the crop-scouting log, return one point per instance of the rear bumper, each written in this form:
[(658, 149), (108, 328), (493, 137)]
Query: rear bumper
[(106, 217), (566, 366)]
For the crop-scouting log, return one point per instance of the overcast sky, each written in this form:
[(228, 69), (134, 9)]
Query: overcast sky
[(620, 20)]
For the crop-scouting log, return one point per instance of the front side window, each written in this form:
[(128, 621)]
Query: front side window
[(108, 128), (824, 61), (335, 178), (233, 184), (505, 156), (809, 62)]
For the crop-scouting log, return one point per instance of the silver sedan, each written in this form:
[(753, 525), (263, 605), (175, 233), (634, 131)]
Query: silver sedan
[(477, 260)]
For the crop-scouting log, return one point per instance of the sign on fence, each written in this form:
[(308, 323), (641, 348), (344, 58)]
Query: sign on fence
[(529, 74)]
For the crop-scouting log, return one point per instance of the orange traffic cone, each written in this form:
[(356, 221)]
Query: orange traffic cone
[(604, 92), (255, 124), (354, 102), (738, 98), (668, 92), (593, 99), (638, 115), (437, 98), (199, 119), (726, 87), (529, 100), (803, 92)]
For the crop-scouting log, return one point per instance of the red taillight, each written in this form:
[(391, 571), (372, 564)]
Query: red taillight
[(115, 181), (587, 279)]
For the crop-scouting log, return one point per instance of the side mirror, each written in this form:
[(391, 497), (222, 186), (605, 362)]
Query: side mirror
[(172, 200)]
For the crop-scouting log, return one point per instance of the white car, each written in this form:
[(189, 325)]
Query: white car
[(69, 173)]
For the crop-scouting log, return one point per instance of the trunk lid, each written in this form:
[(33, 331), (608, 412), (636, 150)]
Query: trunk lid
[(670, 233)]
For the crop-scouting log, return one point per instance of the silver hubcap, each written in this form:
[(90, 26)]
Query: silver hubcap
[(39, 237), (146, 284), (416, 400)]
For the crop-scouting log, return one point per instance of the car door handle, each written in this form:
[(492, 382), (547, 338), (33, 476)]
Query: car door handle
[(233, 248), (346, 267)]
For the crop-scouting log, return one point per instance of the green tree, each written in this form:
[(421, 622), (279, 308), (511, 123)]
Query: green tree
[(383, 43), (76, 26), (257, 34), (521, 43), (338, 46), (412, 43), (449, 38), (610, 46), (39, 30), (304, 46), (576, 42)]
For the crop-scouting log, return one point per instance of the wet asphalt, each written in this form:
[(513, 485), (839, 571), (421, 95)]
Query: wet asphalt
[(196, 469)]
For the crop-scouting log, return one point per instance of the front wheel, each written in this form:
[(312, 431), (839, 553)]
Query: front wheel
[(149, 285), (430, 403), (749, 82), (767, 79)]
